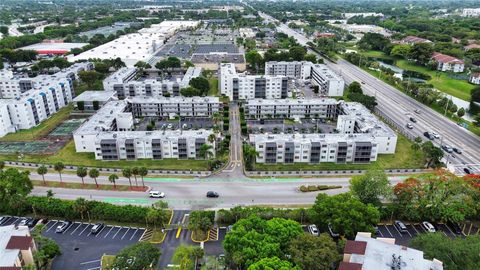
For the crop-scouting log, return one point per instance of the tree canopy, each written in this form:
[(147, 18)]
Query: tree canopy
[(314, 253), (371, 187), (139, 256)]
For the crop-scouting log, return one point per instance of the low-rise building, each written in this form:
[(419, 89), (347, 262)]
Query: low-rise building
[(471, 12), (16, 247), (291, 108), (329, 83), (175, 106), (474, 78), (471, 46), (412, 40), (93, 100), (125, 83), (240, 86), (212, 61), (448, 63), (367, 253)]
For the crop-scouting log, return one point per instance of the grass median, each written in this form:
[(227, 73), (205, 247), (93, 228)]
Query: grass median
[(57, 184)]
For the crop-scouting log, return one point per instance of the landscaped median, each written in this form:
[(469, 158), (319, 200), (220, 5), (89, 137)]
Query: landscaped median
[(312, 188), (200, 223), (55, 184)]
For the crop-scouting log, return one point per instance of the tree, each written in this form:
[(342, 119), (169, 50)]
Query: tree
[(4, 30), (297, 53), (455, 253), (461, 112), (82, 172), (433, 154), (206, 151), (373, 41), (14, 188), (89, 77), (135, 173), (127, 172), (273, 263), (371, 187), (200, 83), (142, 65), (113, 179), (81, 206), (185, 256), (188, 64), (58, 167), (94, 173), (47, 250), (42, 170), (346, 214), (142, 171), (401, 50), (139, 256), (417, 144), (249, 156), (421, 52), (355, 87), (310, 57), (190, 92), (254, 59), (311, 252)]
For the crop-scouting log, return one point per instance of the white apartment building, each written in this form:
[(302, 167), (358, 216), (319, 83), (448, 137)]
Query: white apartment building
[(125, 84), (471, 12), (291, 108), (360, 138), (175, 106), (448, 63), (244, 87), (329, 83), (17, 247)]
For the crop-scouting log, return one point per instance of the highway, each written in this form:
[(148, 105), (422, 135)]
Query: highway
[(398, 107)]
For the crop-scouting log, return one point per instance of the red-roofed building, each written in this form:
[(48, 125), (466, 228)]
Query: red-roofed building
[(474, 78), (325, 35), (16, 247), (448, 63), (350, 266), (471, 46)]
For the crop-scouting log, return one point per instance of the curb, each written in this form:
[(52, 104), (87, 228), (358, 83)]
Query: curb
[(197, 241)]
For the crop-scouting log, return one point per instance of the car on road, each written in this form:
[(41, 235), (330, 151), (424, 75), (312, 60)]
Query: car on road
[(457, 150), (97, 227), (447, 148), (156, 194), (333, 234), (4, 219), (454, 227), (401, 227), (169, 126), (467, 171), (409, 126), (436, 135), (413, 119), (428, 226), (313, 229), (63, 226), (363, 82), (417, 111), (428, 135), (212, 194)]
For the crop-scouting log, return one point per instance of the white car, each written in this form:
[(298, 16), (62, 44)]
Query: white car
[(170, 126), (156, 194), (313, 229), (435, 135), (428, 226)]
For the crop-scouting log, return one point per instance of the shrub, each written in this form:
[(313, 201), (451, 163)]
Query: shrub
[(312, 188)]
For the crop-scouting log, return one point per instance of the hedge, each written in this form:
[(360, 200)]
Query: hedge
[(311, 188), (416, 74), (230, 216)]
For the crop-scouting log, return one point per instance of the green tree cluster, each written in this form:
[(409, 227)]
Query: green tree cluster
[(139, 256)]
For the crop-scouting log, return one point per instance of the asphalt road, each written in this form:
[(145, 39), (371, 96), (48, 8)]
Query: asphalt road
[(399, 107)]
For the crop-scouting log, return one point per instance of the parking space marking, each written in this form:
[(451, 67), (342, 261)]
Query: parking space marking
[(100, 232), (125, 233), (109, 231), (409, 233), (415, 229), (51, 226), (79, 225), (386, 227), (450, 230), (117, 232), (95, 268), (135, 232), (88, 225), (380, 232), (397, 230), (89, 262), (69, 226)]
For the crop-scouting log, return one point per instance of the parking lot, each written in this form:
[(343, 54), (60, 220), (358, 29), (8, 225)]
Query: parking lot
[(184, 122), (286, 126), (80, 248)]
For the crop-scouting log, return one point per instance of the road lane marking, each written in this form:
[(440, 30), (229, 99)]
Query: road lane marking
[(109, 232), (178, 232), (125, 233)]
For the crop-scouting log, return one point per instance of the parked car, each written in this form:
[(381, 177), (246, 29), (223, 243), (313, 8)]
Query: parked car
[(413, 119), (156, 194), (428, 226), (401, 227), (376, 230), (63, 226), (23, 221), (457, 150), (333, 234), (454, 227), (313, 229), (212, 194), (97, 227), (409, 126), (32, 222), (4, 219)]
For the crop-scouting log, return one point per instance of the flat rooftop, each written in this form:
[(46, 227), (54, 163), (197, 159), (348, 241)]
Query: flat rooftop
[(172, 100), (61, 46), (102, 96), (173, 134), (102, 120), (291, 101)]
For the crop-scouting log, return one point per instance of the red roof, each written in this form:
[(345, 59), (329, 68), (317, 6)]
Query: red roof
[(355, 247), (443, 58), (350, 266), (52, 51), (325, 34), (10, 268), (475, 75), (19, 242)]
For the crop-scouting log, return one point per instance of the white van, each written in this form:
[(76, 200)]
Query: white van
[(156, 194)]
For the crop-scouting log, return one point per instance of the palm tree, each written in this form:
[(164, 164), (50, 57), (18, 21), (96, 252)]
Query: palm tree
[(135, 173), (94, 173), (142, 171), (42, 170), (2, 165), (212, 138), (417, 144), (80, 206), (206, 151), (113, 178), (127, 172), (249, 155), (59, 168), (82, 172)]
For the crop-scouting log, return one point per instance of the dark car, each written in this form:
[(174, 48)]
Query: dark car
[(467, 170), (401, 227), (428, 135), (63, 226), (333, 234), (454, 227), (212, 194), (32, 222), (413, 119), (4, 219), (457, 150), (97, 228)]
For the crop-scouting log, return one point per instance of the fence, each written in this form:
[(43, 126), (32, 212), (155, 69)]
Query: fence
[(324, 173)]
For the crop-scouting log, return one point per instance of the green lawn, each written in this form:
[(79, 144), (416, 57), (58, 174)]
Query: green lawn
[(107, 262), (404, 158), (213, 87), (441, 80), (68, 156), (41, 130)]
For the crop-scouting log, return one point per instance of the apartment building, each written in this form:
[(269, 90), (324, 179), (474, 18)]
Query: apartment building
[(329, 83), (16, 247), (132, 145), (471, 12), (360, 138), (12, 86), (291, 108), (93, 100), (448, 63), (244, 87), (367, 253), (174, 106), (126, 84)]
